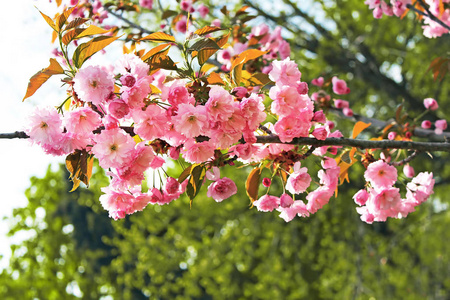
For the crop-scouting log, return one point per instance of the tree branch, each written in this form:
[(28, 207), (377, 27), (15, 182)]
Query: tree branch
[(428, 14), (274, 139), (134, 25)]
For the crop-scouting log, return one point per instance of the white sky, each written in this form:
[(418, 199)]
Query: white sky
[(25, 49)]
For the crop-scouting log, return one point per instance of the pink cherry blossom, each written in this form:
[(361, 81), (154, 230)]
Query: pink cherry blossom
[(118, 108), (440, 125), (339, 86), (220, 104), (296, 208), (426, 124), (361, 197), (191, 120), (430, 104), (380, 174), (197, 152), (151, 123), (113, 148), (318, 198), (317, 81), (82, 120), (44, 126), (93, 84), (222, 189), (146, 3), (285, 72), (299, 180), (267, 203), (408, 171)]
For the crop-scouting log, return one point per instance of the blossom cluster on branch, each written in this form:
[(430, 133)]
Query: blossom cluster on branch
[(143, 110)]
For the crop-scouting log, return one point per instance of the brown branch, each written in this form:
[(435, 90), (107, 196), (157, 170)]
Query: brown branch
[(134, 25), (406, 160), (274, 139), (429, 14)]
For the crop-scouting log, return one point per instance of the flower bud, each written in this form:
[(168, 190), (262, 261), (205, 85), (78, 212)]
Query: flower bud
[(426, 124), (392, 135), (319, 117), (408, 171), (440, 125), (266, 182), (430, 104)]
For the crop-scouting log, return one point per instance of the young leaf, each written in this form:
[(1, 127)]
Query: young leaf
[(198, 173), (204, 55), (92, 30), (215, 78), (207, 29), (71, 35), (168, 13), (222, 40), (62, 18), (49, 22), (358, 128), (75, 23), (42, 76), (185, 174), (252, 184), (158, 37), (246, 56), (204, 44), (86, 50), (157, 49)]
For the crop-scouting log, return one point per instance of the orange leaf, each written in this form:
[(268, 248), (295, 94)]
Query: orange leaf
[(246, 56), (158, 49), (61, 19), (71, 35), (92, 30), (252, 184), (204, 55), (207, 29), (49, 21), (358, 128), (158, 37), (75, 23), (86, 50), (214, 78), (42, 76), (221, 41)]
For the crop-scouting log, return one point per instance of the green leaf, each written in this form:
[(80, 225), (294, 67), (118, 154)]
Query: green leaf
[(42, 76), (168, 13), (86, 50)]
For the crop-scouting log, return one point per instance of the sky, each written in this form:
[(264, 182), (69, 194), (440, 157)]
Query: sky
[(25, 49)]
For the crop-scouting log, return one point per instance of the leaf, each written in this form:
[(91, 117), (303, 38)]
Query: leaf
[(42, 76), (86, 50), (398, 113), (49, 21), (157, 49), (158, 37), (79, 164), (207, 29), (62, 18), (161, 62), (198, 173), (252, 184), (75, 23), (358, 128), (236, 74), (92, 30), (204, 55), (206, 67), (185, 174), (256, 79), (246, 56), (215, 78), (221, 41), (440, 66), (71, 35), (168, 13), (204, 44)]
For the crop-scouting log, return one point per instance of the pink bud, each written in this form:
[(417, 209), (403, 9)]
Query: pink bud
[(319, 117), (203, 10), (317, 81), (110, 122), (348, 112), (266, 182), (426, 124), (239, 91), (320, 133), (185, 5), (128, 80), (408, 171), (440, 125), (408, 134), (339, 86), (338, 103), (430, 104), (174, 153), (286, 200), (392, 135), (302, 88), (330, 124), (377, 12), (361, 197), (118, 108)]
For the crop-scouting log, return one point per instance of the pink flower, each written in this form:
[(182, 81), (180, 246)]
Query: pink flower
[(296, 208), (320, 133), (146, 3), (285, 72), (130, 64), (191, 120), (197, 152), (135, 95), (203, 10), (252, 109), (151, 123), (117, 203), (93, 84), (293, 126), (220, 104), (392, 135), (44, 126), (338, 103), (287, 100), (222, 189), (386, 199), (339, 86), (440, 125), (408, 171), (299, 180), (172, 188), (118, 108), (318, 198), (361, 197), (319, 117), (380, 174), (426, 124), (181, 25), (266, 181), (267, 203), (113, 148), (286, 201), (82, 120), (348, 112), (430, 104), (177, 94), (317, 81)]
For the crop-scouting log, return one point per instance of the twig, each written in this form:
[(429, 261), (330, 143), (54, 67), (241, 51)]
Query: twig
[(134, 25), (428, 14), (406, 160), (14, 135)]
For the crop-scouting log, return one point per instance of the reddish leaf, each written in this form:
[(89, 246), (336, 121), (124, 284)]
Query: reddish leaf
[(75, 23), (42, 76)]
